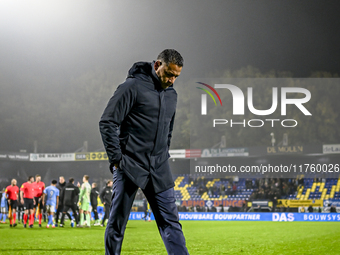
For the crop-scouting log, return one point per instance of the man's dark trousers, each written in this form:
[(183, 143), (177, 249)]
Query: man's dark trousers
[(163, 207), (74, 211), (60, 210), (95, 212), (107, 212)]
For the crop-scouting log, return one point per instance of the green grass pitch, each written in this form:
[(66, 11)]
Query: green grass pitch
[(203, 237)]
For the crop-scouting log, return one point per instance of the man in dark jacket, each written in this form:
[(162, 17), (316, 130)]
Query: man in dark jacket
[(105, 197), (94, 202), (60, 186), (136, 129), (69, 198)]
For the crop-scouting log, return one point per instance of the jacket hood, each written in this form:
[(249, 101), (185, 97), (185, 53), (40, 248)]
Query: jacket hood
[(145, 71)]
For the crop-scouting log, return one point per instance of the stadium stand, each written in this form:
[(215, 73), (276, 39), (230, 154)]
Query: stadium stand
[(319, 189), (201, 188)]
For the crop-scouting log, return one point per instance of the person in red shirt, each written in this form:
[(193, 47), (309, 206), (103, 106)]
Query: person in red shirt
[(39, 187), (12, 192), (26, 194)]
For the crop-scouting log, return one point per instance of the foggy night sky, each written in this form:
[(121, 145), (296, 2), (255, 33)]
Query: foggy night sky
[(60, 39), (57, 38)]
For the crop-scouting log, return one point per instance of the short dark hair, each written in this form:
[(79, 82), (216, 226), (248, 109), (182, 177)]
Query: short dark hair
[(71, 180), (29, 178), (86, 177), (54, 182), (171, 56)]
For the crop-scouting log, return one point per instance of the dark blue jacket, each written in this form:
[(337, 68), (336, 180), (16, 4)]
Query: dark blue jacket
[(136, 127)]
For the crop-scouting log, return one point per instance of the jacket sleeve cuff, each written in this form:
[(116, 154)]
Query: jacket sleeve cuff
[(116, 160)]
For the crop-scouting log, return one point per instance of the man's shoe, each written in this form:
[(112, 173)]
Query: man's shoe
[(96, 224), (39, 225), (47, 226), (31, 226), (53, 226), (56, 225), (10, 225), (61, 225), (24, 225), (14, 225)]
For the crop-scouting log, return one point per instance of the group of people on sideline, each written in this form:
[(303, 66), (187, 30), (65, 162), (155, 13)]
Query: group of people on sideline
[(33, 201)]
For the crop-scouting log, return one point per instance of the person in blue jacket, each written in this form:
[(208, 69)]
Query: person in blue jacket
[(3, 207), (136, 129)]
